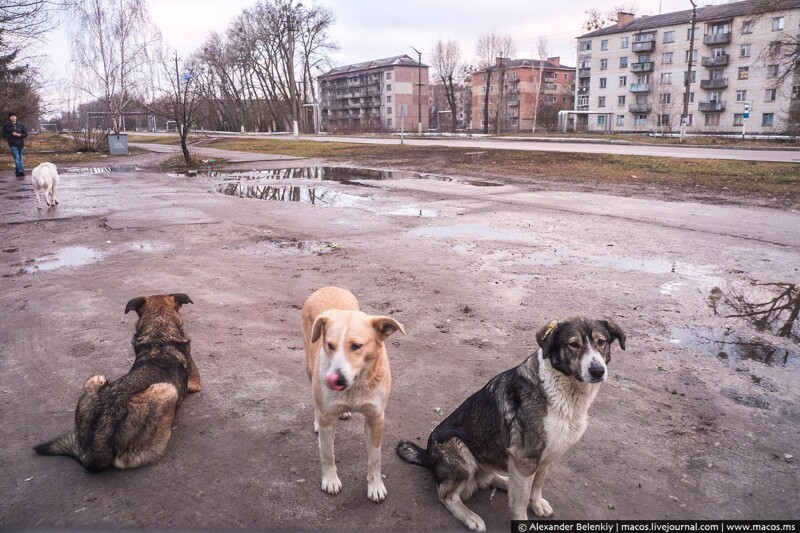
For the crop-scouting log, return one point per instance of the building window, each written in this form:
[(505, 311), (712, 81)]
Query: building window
[(738, 119), (767, 118), (388, 122), (603, 64), (774, 49), (621, 100), (694, 76), (741, 96), (772, 71), (603, 82), (691, 98), (744, 50), (623, 62), (623, 81), (666, 58), (583, 100), (690, 34), (585, 46), (388, 86), (624, 42), (712, 119), (640, 120), (604, 44), (744, 73), (601, 120), (663, 120), (620, 120), (389, 110), (777, 24), (669, 36), (747, 26), (388, 75), (770, 95), (694, 56), (795, 92), (389, 99), (666, 78), (601, 101), (664, 98)]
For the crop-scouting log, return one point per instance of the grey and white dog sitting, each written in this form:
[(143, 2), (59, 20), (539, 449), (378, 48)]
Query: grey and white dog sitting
[(508, 434)]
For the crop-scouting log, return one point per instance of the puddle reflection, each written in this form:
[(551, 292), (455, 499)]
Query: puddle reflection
[(728, 345), (289, 193), (72, 256)]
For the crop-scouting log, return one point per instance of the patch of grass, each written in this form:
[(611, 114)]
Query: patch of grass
[(768, 180), (55, 148)]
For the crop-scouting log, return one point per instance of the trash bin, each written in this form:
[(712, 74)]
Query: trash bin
[(118, 144)]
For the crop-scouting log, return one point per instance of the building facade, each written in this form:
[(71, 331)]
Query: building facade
[(633, 73), (375, 96), (513, 88), (441, 116)]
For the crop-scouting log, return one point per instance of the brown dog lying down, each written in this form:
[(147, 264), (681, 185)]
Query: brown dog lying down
[(127, 423)]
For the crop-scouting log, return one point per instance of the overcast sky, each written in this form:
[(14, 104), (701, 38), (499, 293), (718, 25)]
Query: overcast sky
[(373, 29)]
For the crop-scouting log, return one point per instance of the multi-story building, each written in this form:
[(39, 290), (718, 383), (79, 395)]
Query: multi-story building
[(375, 96), (513, 89), (441, 116), (633, 73)]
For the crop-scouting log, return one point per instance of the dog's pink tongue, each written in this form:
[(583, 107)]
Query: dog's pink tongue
[(332, 380)]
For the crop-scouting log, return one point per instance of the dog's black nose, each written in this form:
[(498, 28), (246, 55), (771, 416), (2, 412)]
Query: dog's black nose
[(596, 370), (341, 382)]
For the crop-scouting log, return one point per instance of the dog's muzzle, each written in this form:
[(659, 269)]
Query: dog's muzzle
[(597, 372), (336, 381)]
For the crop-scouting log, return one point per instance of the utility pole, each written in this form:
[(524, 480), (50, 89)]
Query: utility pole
[(419, 91), (290, 67), (688, 81)]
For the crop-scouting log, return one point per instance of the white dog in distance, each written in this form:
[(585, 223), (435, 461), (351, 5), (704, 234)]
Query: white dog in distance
[(45, 176)]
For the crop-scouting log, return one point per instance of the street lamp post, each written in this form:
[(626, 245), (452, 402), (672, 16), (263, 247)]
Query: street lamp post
[(685, 117), (419, 91)]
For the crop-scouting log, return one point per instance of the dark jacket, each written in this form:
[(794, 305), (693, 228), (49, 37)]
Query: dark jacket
[(9, 129)]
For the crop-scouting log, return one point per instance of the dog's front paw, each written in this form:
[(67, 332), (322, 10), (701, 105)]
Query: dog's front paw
[(331, 484), (96, 381), (474, 522), (376, 491), (541, 508), (345, 416)]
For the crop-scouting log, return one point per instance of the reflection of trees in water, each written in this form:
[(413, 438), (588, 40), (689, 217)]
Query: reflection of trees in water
[(269, 192), (770, 306)]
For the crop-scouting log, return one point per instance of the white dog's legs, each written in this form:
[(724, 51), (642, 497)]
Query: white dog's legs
[(38, 200), (53, 193)]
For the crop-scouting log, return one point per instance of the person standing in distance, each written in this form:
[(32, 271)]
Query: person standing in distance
[(14, 132)]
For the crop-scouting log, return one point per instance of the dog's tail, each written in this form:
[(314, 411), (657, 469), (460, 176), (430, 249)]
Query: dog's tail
[(410, 452), (64, 445)]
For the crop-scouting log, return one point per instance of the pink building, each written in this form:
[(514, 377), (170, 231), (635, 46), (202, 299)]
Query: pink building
[(375, 96)]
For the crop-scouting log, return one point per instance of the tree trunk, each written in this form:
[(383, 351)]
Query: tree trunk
[(486, 101)]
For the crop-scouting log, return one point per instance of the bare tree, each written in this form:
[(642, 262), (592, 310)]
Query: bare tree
[(541, 49), (447, 63), (597, 18), (111, 48), (26, 19), (490, 47)]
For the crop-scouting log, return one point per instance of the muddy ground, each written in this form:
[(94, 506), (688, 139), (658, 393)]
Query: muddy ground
[(700, 417)]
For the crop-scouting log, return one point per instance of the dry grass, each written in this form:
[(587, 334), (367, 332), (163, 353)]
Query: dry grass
[(771, 181), (53, 147)]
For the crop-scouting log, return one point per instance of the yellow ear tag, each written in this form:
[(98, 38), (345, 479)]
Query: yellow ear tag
[(550, 327)]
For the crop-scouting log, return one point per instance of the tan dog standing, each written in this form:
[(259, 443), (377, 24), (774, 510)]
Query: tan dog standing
[(348, 368)]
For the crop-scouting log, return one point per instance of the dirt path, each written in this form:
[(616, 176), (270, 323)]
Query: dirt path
[(680, 430)]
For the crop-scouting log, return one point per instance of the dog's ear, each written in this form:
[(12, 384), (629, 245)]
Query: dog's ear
[(544, 336), (616, 332), (319, 326), (135, 305), (181, 299), (386, 325)]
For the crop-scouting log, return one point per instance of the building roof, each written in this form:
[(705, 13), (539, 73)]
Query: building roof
[(704, 14), (532, 63), (402, 60)]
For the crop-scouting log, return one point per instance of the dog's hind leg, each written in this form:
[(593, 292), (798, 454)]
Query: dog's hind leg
[(53, 194), (455, 466), (193, 385), (519, 490), (327, 429), (38, 200), (539, 505), (373, 430), (450, 496), (143, 435)]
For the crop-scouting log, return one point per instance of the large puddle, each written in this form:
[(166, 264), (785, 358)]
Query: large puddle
[(729, 345), (293, 193), (67, 257)]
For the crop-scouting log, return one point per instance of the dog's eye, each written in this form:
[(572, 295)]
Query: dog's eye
[(601, 342), (355, 347), (331, 347), (574, 344)]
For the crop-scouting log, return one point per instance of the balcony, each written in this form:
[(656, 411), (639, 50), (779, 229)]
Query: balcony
[(718, 83), (639, 108), (583, 89), (644, 66), (712, 106), (717, 38), (719, 61), (643, 47), (549, 86), (584, 72), (639, 87)]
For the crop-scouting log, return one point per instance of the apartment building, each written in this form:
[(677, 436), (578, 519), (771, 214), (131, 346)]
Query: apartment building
[(375, 96), (513, 89), (441, 116), (633, 73)]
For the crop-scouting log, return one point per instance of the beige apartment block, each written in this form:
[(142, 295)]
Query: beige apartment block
[(632, 74), (375, 96), (514, 85)]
